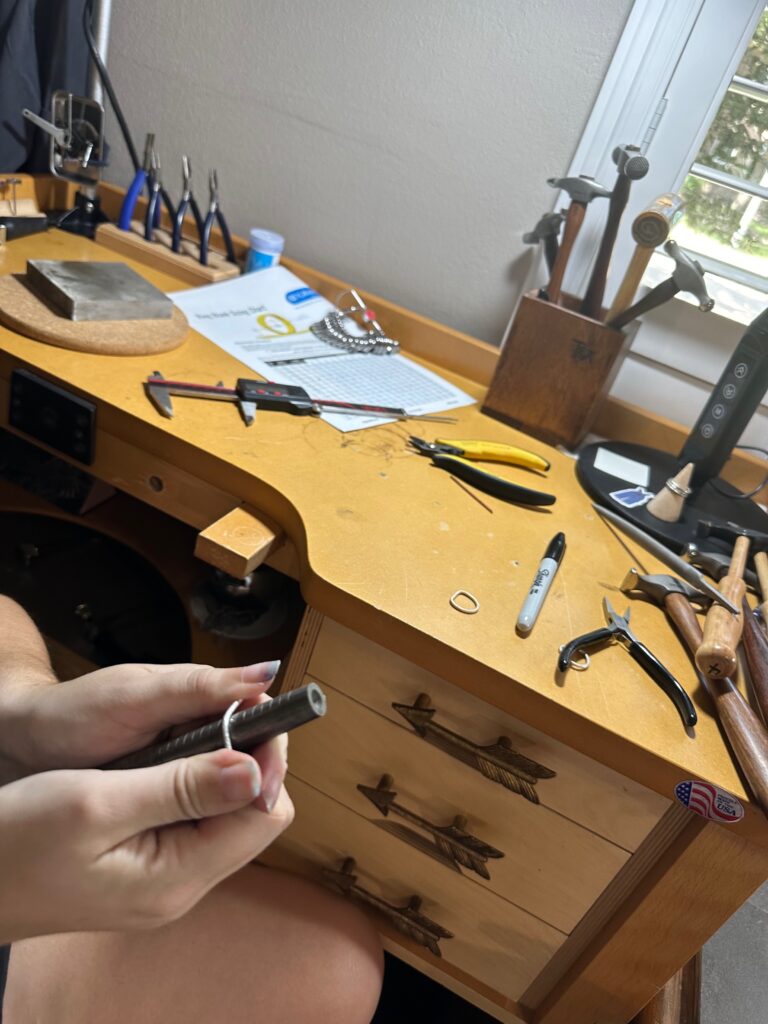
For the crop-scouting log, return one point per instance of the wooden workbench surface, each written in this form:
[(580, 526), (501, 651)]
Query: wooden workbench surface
[(384, 539)]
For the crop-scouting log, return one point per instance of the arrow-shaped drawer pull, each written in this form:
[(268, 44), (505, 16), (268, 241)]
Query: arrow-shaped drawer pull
[(498, 761), (452, 842), (407, 919)]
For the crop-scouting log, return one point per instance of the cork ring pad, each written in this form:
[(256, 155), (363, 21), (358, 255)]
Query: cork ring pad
[(25, 313)]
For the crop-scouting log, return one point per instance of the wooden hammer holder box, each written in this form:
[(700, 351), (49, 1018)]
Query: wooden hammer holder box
[(555, 368)]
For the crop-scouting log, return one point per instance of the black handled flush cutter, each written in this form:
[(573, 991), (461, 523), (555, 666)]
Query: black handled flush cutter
[(618, 631)]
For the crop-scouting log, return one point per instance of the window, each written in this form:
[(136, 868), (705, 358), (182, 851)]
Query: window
[(726, 190), (683, 73)]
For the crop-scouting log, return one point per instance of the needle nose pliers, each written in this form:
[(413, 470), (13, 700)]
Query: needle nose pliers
[(618, 631), (157, 196), (187, 202), (457, 457), (215, 214)]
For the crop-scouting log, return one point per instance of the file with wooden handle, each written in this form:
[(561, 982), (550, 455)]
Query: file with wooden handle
[(716, 656)]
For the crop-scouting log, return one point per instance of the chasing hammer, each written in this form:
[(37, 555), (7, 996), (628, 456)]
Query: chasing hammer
[(582, 191), (716, 655), (688, 276), (746, 734), (547, 230), (650, 229), (631, 166)]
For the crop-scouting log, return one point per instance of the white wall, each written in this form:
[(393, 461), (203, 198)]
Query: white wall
[(403, 145)]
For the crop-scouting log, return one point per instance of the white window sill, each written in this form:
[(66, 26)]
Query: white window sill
[(733, 301)]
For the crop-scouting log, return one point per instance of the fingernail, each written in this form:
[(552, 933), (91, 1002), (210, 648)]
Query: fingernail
[(271, 791), (262, 672), (241, 781)]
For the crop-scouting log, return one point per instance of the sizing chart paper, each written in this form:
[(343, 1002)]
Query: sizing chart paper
[(263, 319)]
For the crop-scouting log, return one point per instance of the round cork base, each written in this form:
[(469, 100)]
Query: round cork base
[(25, 313)]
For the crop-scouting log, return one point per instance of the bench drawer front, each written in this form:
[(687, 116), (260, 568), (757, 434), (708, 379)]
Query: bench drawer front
[(492, 941), (576, 787), (549, 866)]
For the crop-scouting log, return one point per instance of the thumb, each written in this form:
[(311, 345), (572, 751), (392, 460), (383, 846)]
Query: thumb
[(184, 790)]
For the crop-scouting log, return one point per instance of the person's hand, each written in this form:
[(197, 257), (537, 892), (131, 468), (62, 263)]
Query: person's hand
[(114, 850), (113, 711)]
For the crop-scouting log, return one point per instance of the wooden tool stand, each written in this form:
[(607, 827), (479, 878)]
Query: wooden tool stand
[(158, 253), (555, 369), (513, 834)]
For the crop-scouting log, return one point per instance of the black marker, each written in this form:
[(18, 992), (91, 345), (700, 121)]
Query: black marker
[(541, 583)]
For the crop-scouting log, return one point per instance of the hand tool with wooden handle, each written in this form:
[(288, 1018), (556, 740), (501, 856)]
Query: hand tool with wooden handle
[(546, 231), (756, 650), (746, 734), (582, 191), (650, 229), (631, 166), (688, 276), (761, 568), (716, 655)]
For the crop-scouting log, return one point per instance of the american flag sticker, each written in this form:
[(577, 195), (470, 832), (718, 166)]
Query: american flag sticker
[(709, 801)]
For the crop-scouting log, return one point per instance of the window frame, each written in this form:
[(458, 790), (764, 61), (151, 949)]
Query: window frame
[(654, 95)]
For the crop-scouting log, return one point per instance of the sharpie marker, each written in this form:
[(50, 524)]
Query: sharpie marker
[(542, 581)]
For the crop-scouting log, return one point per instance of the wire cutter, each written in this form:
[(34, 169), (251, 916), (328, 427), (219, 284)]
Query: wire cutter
[(618, 631), (186, 202), (215, 214), (157, 195), (454, 455)]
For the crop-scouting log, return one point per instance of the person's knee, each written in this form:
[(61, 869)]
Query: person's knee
[(346, 968)]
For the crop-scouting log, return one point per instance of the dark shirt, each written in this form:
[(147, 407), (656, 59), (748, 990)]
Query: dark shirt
[(5, 953), (42, 49)]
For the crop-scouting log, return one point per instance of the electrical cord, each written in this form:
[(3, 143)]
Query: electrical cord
[(755, 490), (106, 81)]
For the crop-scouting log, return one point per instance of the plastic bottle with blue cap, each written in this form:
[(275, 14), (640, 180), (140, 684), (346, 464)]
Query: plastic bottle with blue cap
[(266, 247)]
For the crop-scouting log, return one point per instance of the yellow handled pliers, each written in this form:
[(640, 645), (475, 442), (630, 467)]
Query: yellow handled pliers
[(457, 457)]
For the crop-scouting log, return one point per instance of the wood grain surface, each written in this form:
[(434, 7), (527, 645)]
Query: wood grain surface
[(383, 539)]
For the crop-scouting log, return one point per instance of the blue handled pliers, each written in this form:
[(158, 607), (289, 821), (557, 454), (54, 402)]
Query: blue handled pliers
[(157, 195), (187, 202), (215, 214), (137, 187)]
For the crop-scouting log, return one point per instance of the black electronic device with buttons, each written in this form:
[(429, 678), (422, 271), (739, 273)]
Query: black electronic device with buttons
[(624, 477), (731, 405), (49, 413)]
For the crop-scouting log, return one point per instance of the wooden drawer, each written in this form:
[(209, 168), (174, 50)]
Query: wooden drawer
[(550, 867), (493, 942), (581, 790)]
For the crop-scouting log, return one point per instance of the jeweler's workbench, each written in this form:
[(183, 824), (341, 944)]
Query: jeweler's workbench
[(606, 884)]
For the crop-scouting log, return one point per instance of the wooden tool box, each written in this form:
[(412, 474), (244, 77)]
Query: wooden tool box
[(462, 731)]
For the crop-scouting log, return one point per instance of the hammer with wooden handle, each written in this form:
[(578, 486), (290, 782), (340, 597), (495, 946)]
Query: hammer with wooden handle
[(582, 191), (688, 276), (746, 734), (547, 229), (761, 568), (650, 229), (716, 655), (631, 166)]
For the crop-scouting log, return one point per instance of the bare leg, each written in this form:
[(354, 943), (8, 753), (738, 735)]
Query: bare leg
[(262, 948)]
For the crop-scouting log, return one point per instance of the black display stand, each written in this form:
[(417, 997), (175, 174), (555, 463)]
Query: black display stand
[(727, 511)]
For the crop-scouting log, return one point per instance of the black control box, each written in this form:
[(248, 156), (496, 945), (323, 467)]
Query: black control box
[(731, 405), (48, 413)]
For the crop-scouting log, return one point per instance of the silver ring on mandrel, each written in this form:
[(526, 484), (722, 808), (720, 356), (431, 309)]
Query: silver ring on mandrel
[(225, 720)]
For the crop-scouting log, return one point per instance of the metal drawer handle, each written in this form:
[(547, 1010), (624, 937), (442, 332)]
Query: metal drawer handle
[(407, 919), (498, 761), (452, 843)]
